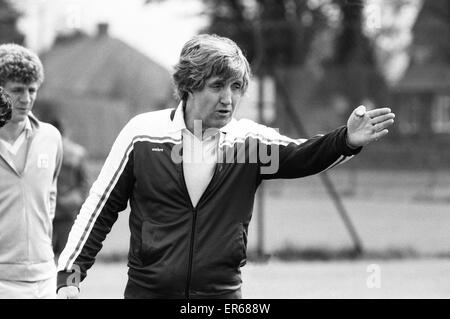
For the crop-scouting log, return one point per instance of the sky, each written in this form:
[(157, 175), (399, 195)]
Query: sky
[(158, 29)]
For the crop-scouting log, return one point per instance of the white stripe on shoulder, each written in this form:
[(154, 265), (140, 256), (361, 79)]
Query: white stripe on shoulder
[(111, 171), (155, 123), (152, 139), (89, 213), (98, 196), (341, 160), (281, 140), (245, 128), (138, 128)]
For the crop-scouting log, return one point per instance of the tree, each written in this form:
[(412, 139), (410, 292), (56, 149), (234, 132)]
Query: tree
[(353, 60), (8, 21), (272, 33), (352, 46), (432, 33), (277, 34)]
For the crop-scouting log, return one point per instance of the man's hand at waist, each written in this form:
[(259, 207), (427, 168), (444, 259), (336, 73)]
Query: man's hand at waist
[(68, 292)]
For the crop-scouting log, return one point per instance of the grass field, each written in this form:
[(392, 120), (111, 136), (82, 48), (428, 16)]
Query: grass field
[(406, 278), (390, 210), (402, 218)]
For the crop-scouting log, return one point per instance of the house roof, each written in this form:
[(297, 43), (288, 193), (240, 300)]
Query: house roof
[(419, 78), (105, 67)]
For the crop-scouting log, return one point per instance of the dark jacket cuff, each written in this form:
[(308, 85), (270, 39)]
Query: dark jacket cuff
[(68, 278), (348, 150)]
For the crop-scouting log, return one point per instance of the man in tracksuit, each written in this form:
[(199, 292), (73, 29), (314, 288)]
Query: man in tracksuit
[(190, 175), (30, 159)]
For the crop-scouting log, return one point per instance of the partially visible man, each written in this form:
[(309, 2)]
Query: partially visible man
[(30, 159), (73, 188), (5, 107)]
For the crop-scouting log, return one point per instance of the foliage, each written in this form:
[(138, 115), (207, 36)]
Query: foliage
[(351, 45), (432, 33), (353, 60), (294, 33), (272, 33), (8, 20)]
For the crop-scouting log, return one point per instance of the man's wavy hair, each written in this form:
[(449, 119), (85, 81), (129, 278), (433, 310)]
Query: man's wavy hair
[(19, 64), (206, 56)]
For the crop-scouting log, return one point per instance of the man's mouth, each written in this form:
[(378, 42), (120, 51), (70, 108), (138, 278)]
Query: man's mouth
[(224, 112), (21, 110)]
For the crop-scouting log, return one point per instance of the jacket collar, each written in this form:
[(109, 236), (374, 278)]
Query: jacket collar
[(31, 125), (177, 123)]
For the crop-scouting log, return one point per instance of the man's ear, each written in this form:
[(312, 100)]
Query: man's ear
[(186, 94), (189, 94)]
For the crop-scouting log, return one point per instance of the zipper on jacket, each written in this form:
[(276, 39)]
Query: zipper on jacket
[(194, 221), (191, 243), (217, 169), (191, 253)]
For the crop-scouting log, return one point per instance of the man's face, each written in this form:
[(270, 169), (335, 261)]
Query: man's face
[(22, 97), (215, 104)]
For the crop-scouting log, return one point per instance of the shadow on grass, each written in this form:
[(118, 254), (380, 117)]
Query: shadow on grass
[(326, 254), (316, 254)]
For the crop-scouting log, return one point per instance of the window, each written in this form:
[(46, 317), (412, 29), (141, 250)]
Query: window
[(440, 116), (410, 116)]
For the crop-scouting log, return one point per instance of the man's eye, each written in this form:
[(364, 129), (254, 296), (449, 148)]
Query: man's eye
[(237, 86)]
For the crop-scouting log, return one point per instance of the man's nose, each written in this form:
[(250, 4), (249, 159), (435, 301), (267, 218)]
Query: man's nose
[(25, 97), (225, 97)]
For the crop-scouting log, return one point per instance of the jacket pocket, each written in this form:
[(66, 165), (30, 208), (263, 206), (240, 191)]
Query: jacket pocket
[(241, 243), (150, 250)]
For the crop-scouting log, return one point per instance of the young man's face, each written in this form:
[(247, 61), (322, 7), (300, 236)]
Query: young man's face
[(22, 97), (215, 104)]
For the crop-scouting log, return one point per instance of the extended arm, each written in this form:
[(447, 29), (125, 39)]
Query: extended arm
[(291, 158)]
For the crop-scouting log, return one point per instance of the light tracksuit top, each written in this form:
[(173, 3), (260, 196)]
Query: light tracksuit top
[(27, 206)]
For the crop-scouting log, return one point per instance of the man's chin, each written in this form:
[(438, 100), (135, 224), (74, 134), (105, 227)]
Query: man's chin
[(17, 118), (222, 122), (216, 123)]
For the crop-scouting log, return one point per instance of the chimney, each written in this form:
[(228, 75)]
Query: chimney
[(102, 29)]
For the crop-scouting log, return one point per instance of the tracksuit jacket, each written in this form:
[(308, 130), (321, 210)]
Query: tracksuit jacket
[(177, 250), (27, 206)]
